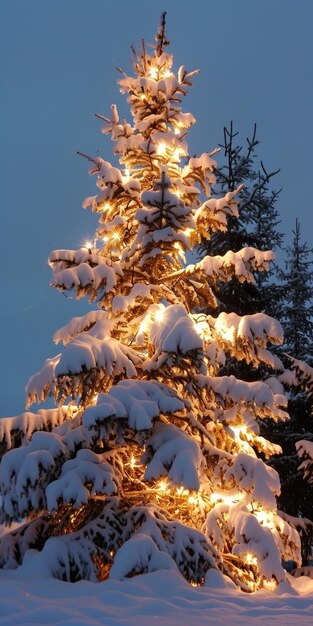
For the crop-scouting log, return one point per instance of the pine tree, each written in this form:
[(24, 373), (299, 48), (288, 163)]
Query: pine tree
[(256, 224), (297, 354), (150, 459), (297, 309)]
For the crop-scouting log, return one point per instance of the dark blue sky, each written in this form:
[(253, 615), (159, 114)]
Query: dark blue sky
[(58, 64)]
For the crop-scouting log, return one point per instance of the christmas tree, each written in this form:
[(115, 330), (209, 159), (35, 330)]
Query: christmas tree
[(150, 459)]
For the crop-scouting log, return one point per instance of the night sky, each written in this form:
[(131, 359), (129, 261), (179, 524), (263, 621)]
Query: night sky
[(58, 63)]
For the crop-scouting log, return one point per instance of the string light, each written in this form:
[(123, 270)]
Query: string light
[(153, 72), (159, 315), (249, 559), (161, 149)]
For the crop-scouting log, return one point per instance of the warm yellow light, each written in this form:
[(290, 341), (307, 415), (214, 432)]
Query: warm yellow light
[(178, 128), (107, 205), (159, 315), (142, 96), (203, 330), (162, 486), (226, 499), (176, 154), (227, 333), (126, 172), (238, 431), (143, 327), (178, 193), (161, 149), (188, 232), (105, 239), (88, 244), (115, 236), (249, 559), (132, 462), (153, 72), (264, 518)]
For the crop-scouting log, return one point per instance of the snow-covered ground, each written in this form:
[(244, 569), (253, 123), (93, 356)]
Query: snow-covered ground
[(161, 598)]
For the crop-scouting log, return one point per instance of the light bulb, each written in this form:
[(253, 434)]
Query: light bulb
[(161, 149), (153, 72), (159, 315)]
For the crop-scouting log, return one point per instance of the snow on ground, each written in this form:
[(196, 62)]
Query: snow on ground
[(161, 598)]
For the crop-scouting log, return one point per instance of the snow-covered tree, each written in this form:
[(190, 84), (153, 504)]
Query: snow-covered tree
[(150, 460), (256, 224)]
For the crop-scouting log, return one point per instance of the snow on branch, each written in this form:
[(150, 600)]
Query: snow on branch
[(90, 355), (305, 452), (257, 397), (173, 337), (85, 476), (17, 431), (135, 402), (241, 264), (246, 337), (173, 453), (253, 476), (85, 272)]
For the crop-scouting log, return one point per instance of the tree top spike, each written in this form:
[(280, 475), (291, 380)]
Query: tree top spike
[(160, 37)]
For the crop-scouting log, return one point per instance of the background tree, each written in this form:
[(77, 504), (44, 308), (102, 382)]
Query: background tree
[(149, 461), (256, 225), (297, 354)]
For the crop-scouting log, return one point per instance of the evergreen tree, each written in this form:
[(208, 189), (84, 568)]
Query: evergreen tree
[(297, 355), (297, 309), (255, 226), (149, 460)]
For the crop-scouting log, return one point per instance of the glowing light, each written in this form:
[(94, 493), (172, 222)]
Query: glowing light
[(115, 236), (176, 154), (142, 96), (107, 205), (153, 72), (270, 585), (226, 499), (88, 244), (203, 330), (159, 315), (143, 327), (162, 486), (105, 239), (161, 149), (111, 553), (178, 128), (126, 172), (178, 193), (188, 232), (227, 333), (238, 431), (264, 518), (249, 559), (132, 462)]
